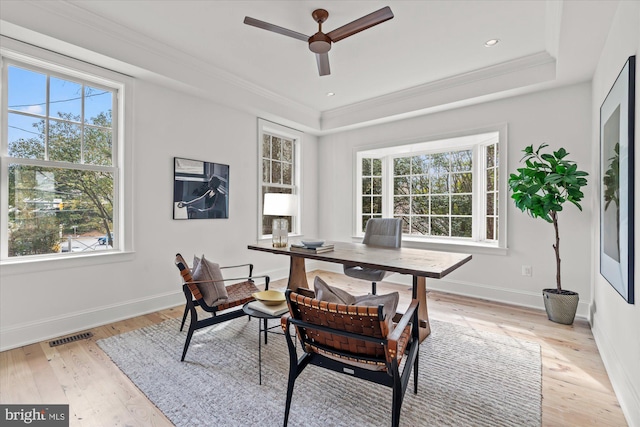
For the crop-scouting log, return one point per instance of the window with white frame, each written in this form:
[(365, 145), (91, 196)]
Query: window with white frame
[(443, 190), (61, 157), (279, 171)]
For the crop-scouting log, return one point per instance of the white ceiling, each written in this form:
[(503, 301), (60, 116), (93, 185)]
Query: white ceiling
[(428, 48)]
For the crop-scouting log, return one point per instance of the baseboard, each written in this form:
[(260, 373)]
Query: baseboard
[(628, 395), (476, 290), (54, 327)]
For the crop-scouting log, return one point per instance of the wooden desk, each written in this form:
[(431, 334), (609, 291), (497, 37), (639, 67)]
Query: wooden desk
[(418, 263)]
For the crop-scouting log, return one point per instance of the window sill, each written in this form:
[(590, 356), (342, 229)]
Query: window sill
[(449, 246), (31, 265)]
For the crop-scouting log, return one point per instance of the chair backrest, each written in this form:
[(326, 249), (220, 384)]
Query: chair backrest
[(346, 331), (185, 272), (383, 232)]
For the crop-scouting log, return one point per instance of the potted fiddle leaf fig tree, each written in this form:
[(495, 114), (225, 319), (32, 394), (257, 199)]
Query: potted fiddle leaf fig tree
[(541, 188)]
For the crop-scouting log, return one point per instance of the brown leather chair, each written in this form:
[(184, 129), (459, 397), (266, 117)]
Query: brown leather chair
[(238, 294), (353, 340)]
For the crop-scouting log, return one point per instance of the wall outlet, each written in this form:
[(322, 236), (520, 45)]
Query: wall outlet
[(526, 270)]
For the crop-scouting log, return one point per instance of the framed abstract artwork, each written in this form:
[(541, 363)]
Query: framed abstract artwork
[(617, 129), (200, 189)]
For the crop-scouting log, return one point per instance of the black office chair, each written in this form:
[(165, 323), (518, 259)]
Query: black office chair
[(386, 232)]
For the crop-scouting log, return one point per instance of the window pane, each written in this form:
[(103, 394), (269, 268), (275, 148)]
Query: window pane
[(377, 205), (420, 205), (287, 150), (420, 165), (366, 186), (267, 220), (490, 204), (440, 163), (490, 156), (64, 141), (490, 228), (276, 148), (377, 167), (47, 206), (366, 204), (266, 146), (266, 171), (286, 173), (420, 225), (27, 91), (26, 136), (490, 180), (401, 166), (366, 167), (401, 205), (377, 185), (440, 205), (461, 226), (440, 183), (401, 185), (420, 184), (98, 104), (461, 161), (462, 205), (462, 182), (276, 173), (65, 99), (440, 226), (365, 218), (405, 223), (97, 146)]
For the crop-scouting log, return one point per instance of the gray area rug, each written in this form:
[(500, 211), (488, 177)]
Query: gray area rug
[(467, 378)]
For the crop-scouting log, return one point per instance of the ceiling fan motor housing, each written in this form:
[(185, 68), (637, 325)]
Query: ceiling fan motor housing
[(319, 43)]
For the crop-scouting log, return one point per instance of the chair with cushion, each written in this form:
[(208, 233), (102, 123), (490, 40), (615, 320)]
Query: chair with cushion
[(203, 286), (358, 340), (386, 232)]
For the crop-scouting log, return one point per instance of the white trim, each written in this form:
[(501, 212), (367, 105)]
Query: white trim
[(53, 64), (464, 139), (265, 126), (53, 327)]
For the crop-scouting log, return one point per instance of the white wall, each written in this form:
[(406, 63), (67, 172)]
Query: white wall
[(65, 297), (615, 323), (559, 117)]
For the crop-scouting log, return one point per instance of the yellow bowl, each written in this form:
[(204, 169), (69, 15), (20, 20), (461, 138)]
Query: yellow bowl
[(269, 297)]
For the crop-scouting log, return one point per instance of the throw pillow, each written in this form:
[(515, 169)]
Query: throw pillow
[(328, 293), (389, 302), (212, 289)]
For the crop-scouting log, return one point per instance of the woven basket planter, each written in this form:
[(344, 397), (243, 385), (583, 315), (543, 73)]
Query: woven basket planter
[(561, 307)]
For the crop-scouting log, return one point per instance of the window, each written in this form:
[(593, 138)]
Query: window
[(61, 158), (279, 170), (443, 191)]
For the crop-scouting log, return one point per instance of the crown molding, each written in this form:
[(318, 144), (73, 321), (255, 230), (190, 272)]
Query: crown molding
[(114, 46), (525, 71)]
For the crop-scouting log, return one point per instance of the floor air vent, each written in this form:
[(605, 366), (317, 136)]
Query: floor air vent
[(72, 338)]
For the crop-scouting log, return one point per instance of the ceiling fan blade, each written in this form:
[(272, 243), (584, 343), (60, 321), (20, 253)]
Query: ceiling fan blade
[(323, 63), (368, 21), (276, 29)]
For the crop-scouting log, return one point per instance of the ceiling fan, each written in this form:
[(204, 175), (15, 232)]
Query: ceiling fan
[(320, 43)]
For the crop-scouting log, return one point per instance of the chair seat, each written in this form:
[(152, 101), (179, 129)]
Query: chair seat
[(365, 273), (239, 293)]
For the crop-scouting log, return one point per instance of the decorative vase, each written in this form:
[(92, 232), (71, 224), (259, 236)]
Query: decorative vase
[(561, 306)]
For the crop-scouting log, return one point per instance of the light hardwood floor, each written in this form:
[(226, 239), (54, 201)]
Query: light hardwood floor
[(575, 387)]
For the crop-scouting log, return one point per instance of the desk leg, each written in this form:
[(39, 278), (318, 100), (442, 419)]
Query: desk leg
[(297, 274), (420, 293)]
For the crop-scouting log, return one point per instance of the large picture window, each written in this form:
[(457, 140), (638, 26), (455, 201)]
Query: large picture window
[(279, 160), (444, 190), (60, 160)]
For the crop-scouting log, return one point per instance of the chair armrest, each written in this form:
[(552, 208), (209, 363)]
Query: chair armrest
[(404, 321), (266, 279), (241, 265)]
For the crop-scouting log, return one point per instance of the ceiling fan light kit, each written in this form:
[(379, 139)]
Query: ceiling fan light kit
[(320, 43)]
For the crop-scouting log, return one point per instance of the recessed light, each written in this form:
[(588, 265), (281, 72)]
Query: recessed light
[(491, 43), (330, 93)]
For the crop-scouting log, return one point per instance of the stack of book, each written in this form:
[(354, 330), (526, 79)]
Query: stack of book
[(273, 310), (299, 247)]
